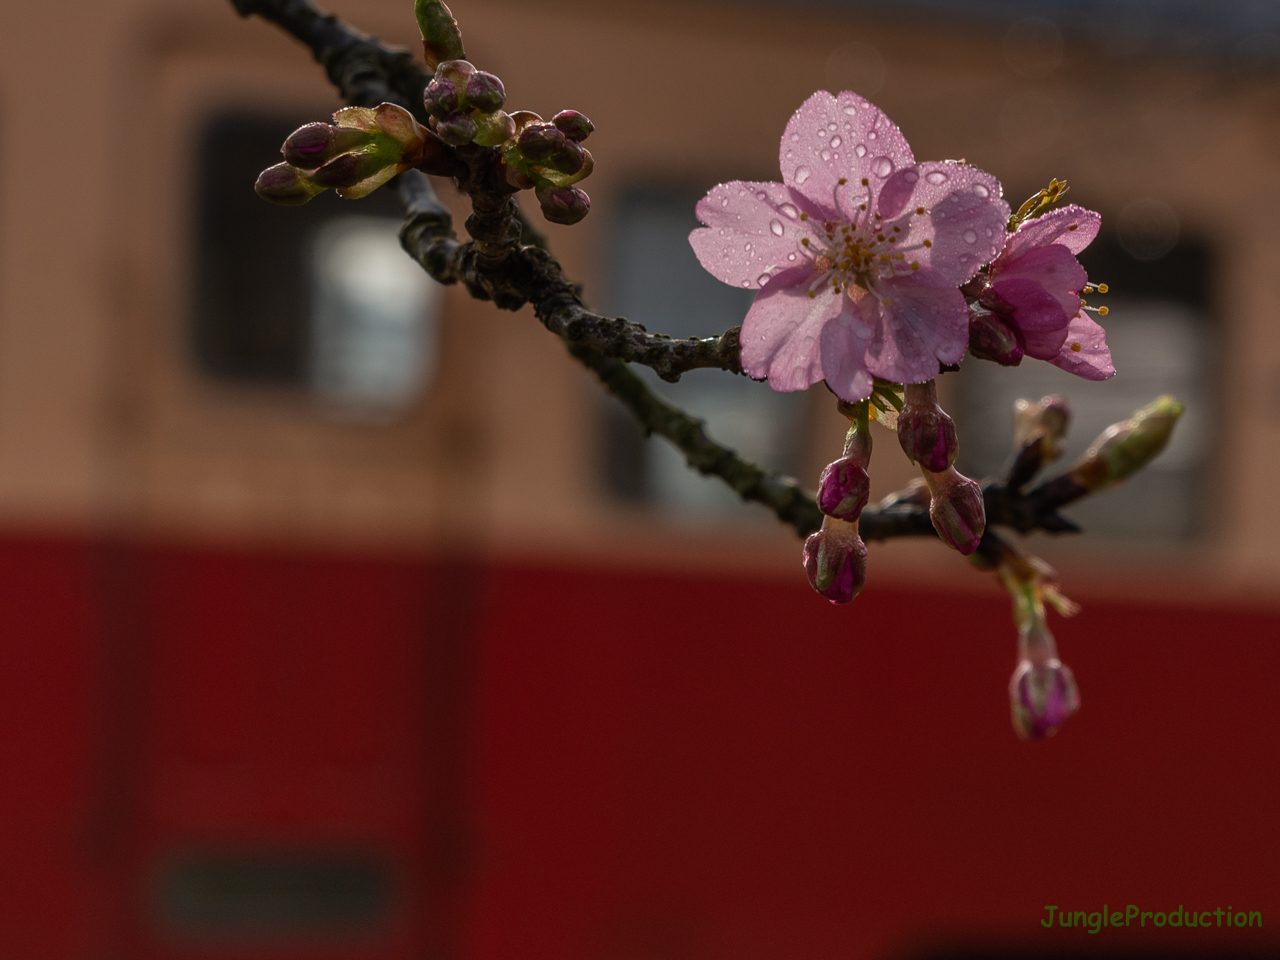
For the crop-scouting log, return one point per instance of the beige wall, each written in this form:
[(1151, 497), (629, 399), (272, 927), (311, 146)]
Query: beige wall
[(104, 422)]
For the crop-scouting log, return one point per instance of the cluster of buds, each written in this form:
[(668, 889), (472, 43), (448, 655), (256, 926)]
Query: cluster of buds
[(1042, 690), (356, 154), (928, 438), (465, 105), (548, 157), (835, 558)]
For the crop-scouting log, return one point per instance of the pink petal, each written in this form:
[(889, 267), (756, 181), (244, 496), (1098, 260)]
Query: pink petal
[(833, 137), (844, 346), (1093, 360), (965, 219), (781, 332), (752, 229), (1054, 268), (1054, 227), (1037, 314), (924, 324)]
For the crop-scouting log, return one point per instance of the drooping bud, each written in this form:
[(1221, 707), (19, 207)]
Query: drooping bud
[(286, 185), (485, 92), (565, 205), (1125, 448), (990, 338), (956, 509), (835, 559), (440, 98), (573, 125), (1042, 690), (456, 129), (927, 434), (441, 38), (844, 485)]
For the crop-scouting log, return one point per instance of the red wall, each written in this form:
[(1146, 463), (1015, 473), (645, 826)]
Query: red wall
[(570, 763)]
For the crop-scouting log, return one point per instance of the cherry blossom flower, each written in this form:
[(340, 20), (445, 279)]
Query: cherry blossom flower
[(1034, 288), (857, 255)]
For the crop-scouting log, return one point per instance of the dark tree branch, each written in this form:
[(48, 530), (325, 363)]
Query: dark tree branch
[(495, 266)]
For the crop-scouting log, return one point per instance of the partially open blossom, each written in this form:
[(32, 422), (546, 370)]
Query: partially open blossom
[(835, 558), (857, 256), (1033, 292), (956, 509), (926, 433)]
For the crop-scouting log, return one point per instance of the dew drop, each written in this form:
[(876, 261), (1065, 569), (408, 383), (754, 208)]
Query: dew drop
[(762, 279), (871, 135), (990, 233), (911, 176), (882, 166), (826, 154), (835, 142), (746, 283), (832, 126), (747, 247), (936, 177), (980, 190), (762, 195), (970, 236), (789, 211), (795, 137), (850, 111), (860, 150), (724, 201), (791, 256), (802, 174), (863, 332), (775, 227)]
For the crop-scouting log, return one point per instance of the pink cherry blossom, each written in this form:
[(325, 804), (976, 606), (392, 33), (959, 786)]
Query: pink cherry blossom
[(1034, 288), (857, 255)]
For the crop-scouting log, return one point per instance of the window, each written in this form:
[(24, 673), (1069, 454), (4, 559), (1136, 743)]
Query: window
[(657, 280), (1160, 337), (320, 297)]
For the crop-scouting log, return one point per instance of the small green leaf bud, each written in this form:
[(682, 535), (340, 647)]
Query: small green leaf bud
[(456, 129), (573, 125), (441, 38), (485, 92), (285, 185), (565, 205), (1125, 448)]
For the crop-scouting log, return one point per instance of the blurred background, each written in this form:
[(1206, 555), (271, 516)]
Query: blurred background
[(344, 616)]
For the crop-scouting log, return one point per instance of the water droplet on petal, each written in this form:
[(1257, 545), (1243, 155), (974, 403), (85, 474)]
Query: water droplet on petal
[(832, 126), (789, 211), (795, 136), (970, 237), (775, 227), (882, 166), (746, 283), (980, 190), (724, 201), (860, 149), (826, 154), (762, 195), (762, 279), (791, 256), (802, 174), (835, 142), (911, 176), (871, 135), (935, 177)]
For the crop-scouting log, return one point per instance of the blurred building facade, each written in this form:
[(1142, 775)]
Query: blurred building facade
[(347, 616)]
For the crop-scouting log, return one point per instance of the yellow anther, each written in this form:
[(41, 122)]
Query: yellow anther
[(1103, 311), (884, 258), (812, 294), (915, 265), (920, 210), (842, 181), (1075, 348), (865, 181), (886, 301), (804, 241), (804, 216), (928, 243), (897, 229), (1074, 226), (1102, 288)]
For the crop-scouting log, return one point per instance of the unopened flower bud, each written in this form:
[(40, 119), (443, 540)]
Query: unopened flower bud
[(315, 144), (573, 125), (927, 434), (565, 205), (990, 338), (539, 142), (956, 509), (835, 559), (1042, 694), (348, 170), (843, 489), (485, 92), (1125, 448), (440, 98), (286, 185), (457, 72), (456, 129)]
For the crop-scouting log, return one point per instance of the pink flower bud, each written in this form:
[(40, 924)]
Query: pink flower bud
[(835, 558), (573, 125), (348, 170), (285, 185), (485, 92), (927, 434), (956, 509), (843, 489), (545, 145), (315, 144), (565, 205), (456, 129), (990, 338), (1042, 696), (440, 98)]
